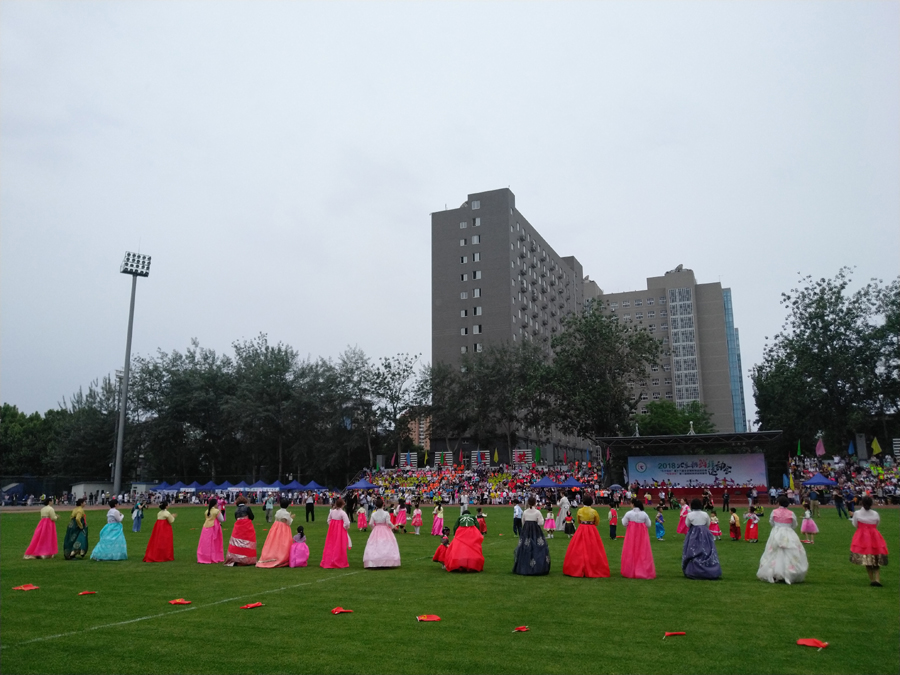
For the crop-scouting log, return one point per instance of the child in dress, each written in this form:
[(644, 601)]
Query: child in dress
[(714, 528), (361, 522), (482, 523), (660, 524), (549, 523), (809, 527), (440, 555), (613, 518), (570, 525), (299, 549), (751, 534), (417, 518), (734, 525)]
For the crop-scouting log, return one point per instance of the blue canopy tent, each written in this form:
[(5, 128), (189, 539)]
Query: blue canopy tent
[(224, 486), (819, 479), (160, 488), (571, 483), (278, 484), (545, 482), (313, 485), (260, 485), (362, 484), (240, 486), (209, 486), (193, 486), (294, 485), (177, 486)]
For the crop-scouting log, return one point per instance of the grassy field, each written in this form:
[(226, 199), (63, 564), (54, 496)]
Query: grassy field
[(615, 625)]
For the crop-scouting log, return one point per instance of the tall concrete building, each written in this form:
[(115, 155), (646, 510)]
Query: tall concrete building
[(494, 278), (701, 358)]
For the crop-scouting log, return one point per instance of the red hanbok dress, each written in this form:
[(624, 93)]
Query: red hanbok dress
[(337, 541), (161, 547), (586, 556), (682, 526), (464, 553), (868, 546)]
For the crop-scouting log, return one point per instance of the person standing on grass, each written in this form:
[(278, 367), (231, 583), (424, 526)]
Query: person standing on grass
[(417, 518), (660, 524), (137, 515), (563, 510), (714, 528), (838, 498), (242, 544), (784, 558), (699, 558), (337, 540), (276, 551), (464, 553), (613, 518), (809, 527), (517, 518), (685, 510), (161, 547), (75, 542), (751, 533), (637, 557), (310, 507), (814, 502), (437, 525), (299, 549), (269, 507), (112, 544), (734, 525), (400, 515), (210, 547), (868, 547), (585, 556), (532, 555), (726, 501), (44, 543), (381, 548)]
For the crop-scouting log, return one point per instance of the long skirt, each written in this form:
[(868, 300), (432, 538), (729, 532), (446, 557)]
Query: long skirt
[(417, 520), (637, 557), (210, 546), (715, 530), (784, 558), (809, 526), (336, 543), (75, 542), (43, 542), (532, 555), (660, 530), (381, 549), (868, 547), (440, 555), (299, 554), (112, 544), (751, 531), (401, 518), (437, 527), (682, 525), (549, 525), (242, 544), (361, 523), (735, 531), (276, 552), (586, 556), (161, 547), (464, 553), (699, 558)]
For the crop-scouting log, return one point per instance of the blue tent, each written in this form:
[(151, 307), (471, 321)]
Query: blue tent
[(195, 485), (819, 479), (545, 482), (177, 486), (278, 484), (242, 485), (224, 486), (313, 485), (259, 485), (209, 486), (162, 486), (294, 485), (362, 484), (571, 483)]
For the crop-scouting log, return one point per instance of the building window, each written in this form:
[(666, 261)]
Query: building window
[(464, 295), (655, 382), (462, 242), (668, 381), (463, 350), (463, 259), (476, 257), (655, 369), (655, 395), (664, 326), (644, 397), (463, 277), (663, 314), (626, 303), (463, 313), (478, 346), (476, 293), (476, 204), (668, 395), (667, 367), (476, 239), (476, 222), (614, 306), (662, 301), (638, 316), (649, 301), (476, 311), (666, 340), (477, 329), (476, 275), (651, 314), (651, 327), (463, 331), (638, 303), (463, 225), (644, 411)]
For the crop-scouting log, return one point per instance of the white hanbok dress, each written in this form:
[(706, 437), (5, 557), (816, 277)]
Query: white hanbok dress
[(784, 558)]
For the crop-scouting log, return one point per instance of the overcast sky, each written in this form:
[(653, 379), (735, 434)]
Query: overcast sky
[(280, 161)]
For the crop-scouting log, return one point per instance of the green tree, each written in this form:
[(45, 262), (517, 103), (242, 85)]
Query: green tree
[(664, 418)]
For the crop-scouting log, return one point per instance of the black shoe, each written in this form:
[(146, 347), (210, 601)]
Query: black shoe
[(876, 583)]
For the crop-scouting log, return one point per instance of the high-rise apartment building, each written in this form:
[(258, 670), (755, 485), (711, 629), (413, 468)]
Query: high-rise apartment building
[(701, 358)]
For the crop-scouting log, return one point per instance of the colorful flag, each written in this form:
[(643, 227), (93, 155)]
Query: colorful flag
[(607, 453), (851, 449), (408, 461), (798, 448), (426, 458), (876, 448), (394, 459), (791, 482), (820, 447), (565, 457), (537, 454), (496, 458)]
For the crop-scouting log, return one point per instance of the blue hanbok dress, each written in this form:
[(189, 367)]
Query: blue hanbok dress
[(699, 558), (112, 539)]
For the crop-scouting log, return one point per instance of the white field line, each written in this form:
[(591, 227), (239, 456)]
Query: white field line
[(175, 611)]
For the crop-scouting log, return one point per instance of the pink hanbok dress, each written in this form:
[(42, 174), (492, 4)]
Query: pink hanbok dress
[(437, 526), (210, 548), (276, 551), (337, 541), (299, 552), (381, 549), (808, 525), (401, 517), (682, 526), (417, 518), (637, 556), (361, 523), (44, 542), (549, 522)]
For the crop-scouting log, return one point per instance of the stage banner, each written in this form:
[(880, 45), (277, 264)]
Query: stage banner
[(691, 470)]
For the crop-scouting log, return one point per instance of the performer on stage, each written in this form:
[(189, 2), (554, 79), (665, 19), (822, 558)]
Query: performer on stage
[(784, 558), (299, 549), (464, 553), (210, 547), (112, 544), (637, 557), (699, 558), (276, 551), (161, 547), (242, 543), (682, 525), (75, 542), (43, 542), (437, 526), (337, 541), (586, 556), (381, 549), (532, 555), (868, 546)]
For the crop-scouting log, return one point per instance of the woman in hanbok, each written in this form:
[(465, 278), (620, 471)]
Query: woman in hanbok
[(210, 547), (437, 525), (585, 556), (532, 555), (75, 541), (299, 549), (868, 546), (337, 541), (808, 526), (784, 558), (161, 547), (464, 553), (43, 542), (699, 558), (276, 551), (242, 543), (563, 509), (381, 549), (637, 557), (112, 544), (751, 531), (362, 523), (682, 525)]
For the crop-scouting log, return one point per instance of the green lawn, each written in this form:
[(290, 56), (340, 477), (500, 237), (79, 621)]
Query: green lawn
[(615, 625)]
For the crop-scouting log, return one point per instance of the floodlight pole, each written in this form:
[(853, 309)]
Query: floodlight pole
[(123, 393)]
